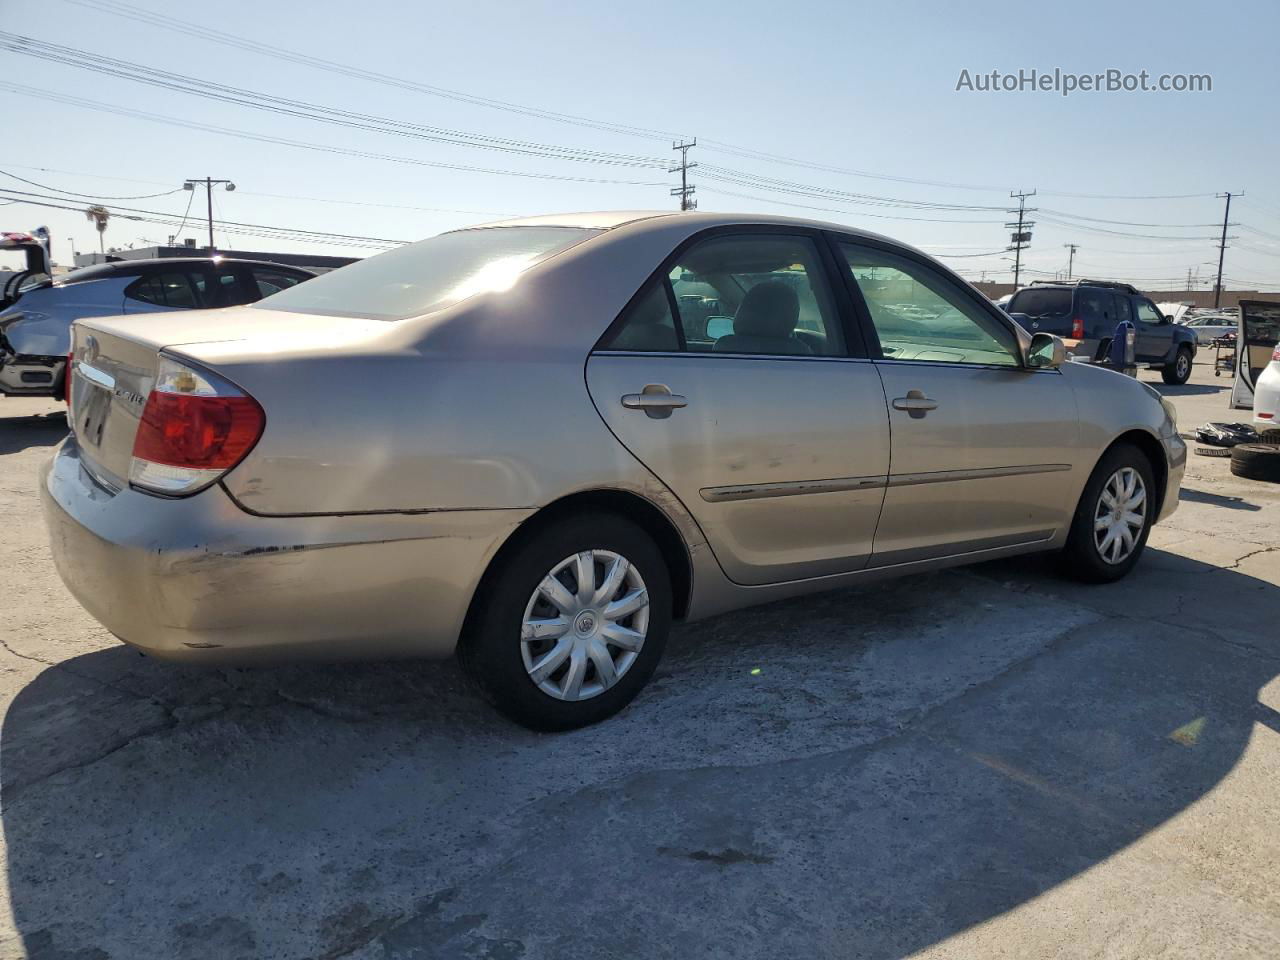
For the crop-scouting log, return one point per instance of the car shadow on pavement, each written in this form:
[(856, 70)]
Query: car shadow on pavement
[(20, 433), (863, 773), (1217, 500), (1188, 389)]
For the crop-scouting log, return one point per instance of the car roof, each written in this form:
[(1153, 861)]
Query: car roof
[(662, 219), (100, 270)]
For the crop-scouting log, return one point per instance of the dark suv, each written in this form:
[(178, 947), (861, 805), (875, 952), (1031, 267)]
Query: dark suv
[(1085, 313)]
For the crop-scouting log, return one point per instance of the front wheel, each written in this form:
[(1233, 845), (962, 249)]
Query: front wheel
[(1111, 523), (569, 626), (1179, 372)]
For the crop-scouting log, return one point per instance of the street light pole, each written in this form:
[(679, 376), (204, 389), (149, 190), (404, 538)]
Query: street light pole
[(208, 186)]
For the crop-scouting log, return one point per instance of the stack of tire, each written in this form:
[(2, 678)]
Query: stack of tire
[(1258, 461)]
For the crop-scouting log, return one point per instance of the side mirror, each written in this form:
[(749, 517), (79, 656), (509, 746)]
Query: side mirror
[(1165, 318), (1046, 352)]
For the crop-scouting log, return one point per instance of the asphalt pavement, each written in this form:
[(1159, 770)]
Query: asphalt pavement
[(987, 762)]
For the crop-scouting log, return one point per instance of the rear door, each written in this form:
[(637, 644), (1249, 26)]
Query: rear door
[(1255, 342), (731, 377), (981, 446)]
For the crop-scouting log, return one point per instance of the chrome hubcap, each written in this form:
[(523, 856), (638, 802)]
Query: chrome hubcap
[(584, 625), (1120, 515)]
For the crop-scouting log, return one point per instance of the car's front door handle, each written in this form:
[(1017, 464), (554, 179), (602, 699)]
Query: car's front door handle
[(915, 403), (656, 400)]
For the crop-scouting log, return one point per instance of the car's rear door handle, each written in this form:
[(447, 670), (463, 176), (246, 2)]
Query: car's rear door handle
[(915, 403), (656, 400)]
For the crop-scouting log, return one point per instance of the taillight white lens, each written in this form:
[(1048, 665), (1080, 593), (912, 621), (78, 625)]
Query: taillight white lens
[(194, 428)]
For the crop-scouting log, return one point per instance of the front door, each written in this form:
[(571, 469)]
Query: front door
[(980, 444), (728, 376), (1155, 335)]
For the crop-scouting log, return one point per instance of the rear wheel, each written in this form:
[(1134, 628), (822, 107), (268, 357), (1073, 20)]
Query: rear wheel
[(1111, 523), (1179, 371), (571, 624)]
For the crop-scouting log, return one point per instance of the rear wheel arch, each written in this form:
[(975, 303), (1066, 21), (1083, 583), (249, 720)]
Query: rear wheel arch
[(642, 512)]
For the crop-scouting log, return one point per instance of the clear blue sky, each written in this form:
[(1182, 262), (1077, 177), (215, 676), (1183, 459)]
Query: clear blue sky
[(863, 86)]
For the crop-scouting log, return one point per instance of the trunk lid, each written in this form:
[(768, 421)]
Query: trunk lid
[(116, 360)]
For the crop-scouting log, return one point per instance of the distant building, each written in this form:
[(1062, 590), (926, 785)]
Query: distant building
[(308, 261)]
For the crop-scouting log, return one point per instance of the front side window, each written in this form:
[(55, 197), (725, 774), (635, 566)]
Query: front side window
[(1147, 313), (429, 275), (919, 314), (751, 294)]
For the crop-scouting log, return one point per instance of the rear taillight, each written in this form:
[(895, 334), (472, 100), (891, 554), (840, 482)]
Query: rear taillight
[(1077, 328), (1275, 355), (194, 428)]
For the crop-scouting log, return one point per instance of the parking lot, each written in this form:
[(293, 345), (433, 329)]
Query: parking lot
[(987, 762)]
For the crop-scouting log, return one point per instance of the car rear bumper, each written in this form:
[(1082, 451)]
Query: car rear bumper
[(31, 376), (200, 579)]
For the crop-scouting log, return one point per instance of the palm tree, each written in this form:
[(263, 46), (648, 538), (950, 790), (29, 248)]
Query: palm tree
[(99, 215)]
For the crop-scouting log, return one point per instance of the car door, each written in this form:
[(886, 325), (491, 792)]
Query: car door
[(743, 395), (1256, 341), (981, 445), (1154, 335)]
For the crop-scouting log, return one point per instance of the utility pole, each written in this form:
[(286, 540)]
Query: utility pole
[(1071, 256), (1222, 245), (209, 183), (684, 191), (1022, 231)]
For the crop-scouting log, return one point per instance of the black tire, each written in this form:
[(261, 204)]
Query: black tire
[(490, 649), (1269, 436), (1080, 558), (1256, 461), (1178, 372)]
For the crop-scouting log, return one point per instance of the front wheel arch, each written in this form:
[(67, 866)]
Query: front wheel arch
[(1153, 450)]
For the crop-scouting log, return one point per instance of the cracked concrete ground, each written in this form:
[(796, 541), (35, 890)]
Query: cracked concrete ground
[(990, 762)]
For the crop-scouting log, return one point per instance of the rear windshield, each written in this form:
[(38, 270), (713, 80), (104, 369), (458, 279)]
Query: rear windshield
[(428, 275), (1046, 302)]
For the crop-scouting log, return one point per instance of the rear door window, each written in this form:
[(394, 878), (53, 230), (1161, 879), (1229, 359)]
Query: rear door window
[(1096, 307), (169, 288)]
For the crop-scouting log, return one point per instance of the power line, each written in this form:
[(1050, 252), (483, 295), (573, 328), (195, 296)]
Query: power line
[(163, 79), (155, 19), (307, 145), (73, 193)]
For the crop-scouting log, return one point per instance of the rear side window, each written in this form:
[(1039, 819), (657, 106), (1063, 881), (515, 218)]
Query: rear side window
[(168, 289), (1043, 303), (646, 325), (429, 275), (269, 280)]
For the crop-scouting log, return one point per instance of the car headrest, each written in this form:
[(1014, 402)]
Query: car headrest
[(769, 309)]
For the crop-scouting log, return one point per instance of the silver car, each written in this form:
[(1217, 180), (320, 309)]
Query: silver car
[(35, 323), (538, 443)]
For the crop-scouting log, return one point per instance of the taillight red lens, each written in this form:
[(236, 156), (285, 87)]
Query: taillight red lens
[(1077, 328), (207, 433)]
